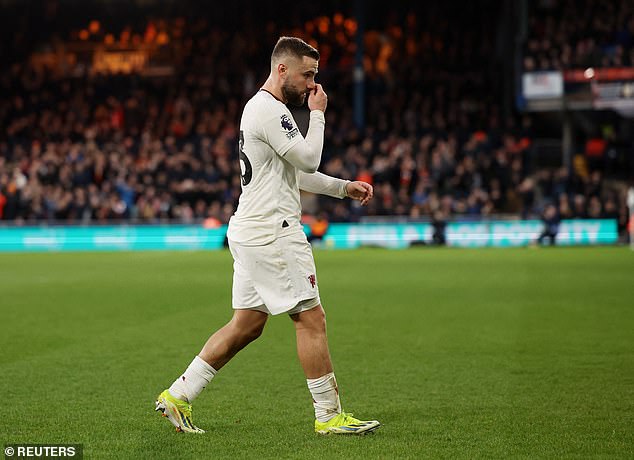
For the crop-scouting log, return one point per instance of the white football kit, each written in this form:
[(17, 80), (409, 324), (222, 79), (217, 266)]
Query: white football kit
[(274, 270)]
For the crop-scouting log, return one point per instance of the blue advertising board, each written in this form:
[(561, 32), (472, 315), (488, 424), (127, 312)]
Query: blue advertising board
[(470, 234), (389, 235), (111, 238)]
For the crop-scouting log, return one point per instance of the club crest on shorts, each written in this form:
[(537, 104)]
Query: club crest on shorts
[(312, 280)]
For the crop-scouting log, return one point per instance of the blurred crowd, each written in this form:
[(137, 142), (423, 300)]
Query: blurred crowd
[(100, 148), (565, 34)]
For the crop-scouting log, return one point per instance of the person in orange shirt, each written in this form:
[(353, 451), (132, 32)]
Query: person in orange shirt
[(318, 228)]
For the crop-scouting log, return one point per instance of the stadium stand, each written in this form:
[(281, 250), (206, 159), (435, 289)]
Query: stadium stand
[(159, 144), (580, 34)]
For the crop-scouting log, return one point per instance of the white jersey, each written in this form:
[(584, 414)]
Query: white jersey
[(269, 206)]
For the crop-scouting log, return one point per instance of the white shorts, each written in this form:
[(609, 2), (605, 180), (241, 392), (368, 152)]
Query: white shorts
[(279, 277)]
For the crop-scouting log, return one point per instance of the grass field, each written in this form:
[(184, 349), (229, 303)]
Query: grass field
[(459, 353)]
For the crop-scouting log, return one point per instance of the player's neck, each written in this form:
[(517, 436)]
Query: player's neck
[(276, 90)]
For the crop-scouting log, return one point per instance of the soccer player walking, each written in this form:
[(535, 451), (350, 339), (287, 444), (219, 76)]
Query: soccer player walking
[(274, 270)]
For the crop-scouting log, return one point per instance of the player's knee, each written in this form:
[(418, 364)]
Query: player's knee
[(320, 315), (254, 332), (246, 331), (244, 334), (316, 319)]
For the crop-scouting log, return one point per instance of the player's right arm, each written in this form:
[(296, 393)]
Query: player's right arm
[(303, 153), (306, 155)]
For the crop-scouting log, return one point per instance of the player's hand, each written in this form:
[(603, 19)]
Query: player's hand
[(317, 98), (361, 191)]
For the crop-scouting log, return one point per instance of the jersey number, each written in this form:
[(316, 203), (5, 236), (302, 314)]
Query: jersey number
[(246, 171)]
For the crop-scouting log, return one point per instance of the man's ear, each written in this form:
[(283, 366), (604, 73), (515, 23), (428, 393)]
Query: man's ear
[(282, 69)]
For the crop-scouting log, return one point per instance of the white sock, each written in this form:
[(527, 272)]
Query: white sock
[(189, 385), (325, 397)]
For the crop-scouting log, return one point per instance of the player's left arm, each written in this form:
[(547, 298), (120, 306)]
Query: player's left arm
[(338, 188)]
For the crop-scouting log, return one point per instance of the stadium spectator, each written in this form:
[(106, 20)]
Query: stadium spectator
[(551, 219), (439, 225), (318, 228)]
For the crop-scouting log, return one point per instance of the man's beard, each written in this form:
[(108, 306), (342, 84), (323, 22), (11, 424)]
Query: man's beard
[(293, 96)]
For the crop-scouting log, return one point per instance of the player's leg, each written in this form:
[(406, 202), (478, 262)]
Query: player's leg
[(312, 342), (314, 356), (244, 328), (175, 402)]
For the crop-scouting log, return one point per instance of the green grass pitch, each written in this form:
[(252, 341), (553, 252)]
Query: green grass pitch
[(459, 353)]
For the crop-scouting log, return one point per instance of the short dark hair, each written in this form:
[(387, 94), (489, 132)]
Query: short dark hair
[(295, 47)]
